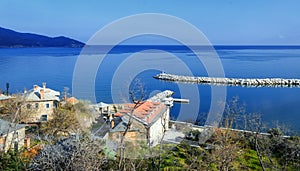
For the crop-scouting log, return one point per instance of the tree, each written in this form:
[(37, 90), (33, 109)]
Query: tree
[(72, 154), (225, 143), (13, 161), (63, 123), (68, 119), (137, 95), (12, 109)]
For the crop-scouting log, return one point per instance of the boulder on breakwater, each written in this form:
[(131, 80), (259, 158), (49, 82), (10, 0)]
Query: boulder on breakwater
[(253, 82)]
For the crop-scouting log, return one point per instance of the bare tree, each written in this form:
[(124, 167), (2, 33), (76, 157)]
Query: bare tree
[(274, 150), (137, 96), (71, 154), (256, 127), (63, 123), (12, 111)]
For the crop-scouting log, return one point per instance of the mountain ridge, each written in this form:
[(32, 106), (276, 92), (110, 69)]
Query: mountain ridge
[(13, 39)]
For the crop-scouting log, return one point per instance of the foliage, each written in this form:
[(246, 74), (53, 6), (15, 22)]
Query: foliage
[(71, 154), (11, 109), (63, 123), (227, 149), (68, 119), (13, 161), (193, 135), (32, 152)]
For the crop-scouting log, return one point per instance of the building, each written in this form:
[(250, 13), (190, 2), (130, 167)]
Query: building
[(146, 121), (72, 100), (40, 103), (4, 101), (4, 98), (12, 136)]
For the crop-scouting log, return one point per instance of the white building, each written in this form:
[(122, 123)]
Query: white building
[(149, 121)]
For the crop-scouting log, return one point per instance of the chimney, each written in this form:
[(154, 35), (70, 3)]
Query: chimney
[(111, 117), (27, 142), (44, 85), (35, 87), (42, 93)]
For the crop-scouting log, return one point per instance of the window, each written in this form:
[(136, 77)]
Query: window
[(16, 145), (36, 105), (28, 106), (47, 105), (44, 117)]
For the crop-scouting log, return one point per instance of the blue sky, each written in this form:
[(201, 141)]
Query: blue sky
[(224, 22)]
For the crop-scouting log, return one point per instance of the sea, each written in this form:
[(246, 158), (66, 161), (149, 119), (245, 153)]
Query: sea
[(24, 67)]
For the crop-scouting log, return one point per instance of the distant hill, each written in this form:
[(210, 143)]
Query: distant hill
[(11, 39)]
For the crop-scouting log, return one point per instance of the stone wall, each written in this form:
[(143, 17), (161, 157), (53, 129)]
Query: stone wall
[(35, 110), (9, 140)]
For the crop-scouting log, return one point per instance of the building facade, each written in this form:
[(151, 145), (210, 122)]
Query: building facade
[(12, 136), (144, 122), (40, 104)]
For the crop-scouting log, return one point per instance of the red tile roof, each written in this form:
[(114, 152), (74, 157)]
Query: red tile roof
[(146, 111), (72, 100)]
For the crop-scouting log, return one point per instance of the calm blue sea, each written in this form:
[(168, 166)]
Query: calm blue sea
[(23, 68)]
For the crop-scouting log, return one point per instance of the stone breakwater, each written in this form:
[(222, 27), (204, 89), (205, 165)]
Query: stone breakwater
[(253, 82)]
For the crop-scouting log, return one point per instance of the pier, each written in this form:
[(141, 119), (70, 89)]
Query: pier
[(248, 82)]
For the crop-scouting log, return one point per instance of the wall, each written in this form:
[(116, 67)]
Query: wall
[(34, 114), (10, 138), (157, 129)]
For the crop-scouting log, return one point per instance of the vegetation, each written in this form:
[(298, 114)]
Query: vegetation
[(13, 161), (71, 154), (226, 149), (68, 120), (11, 110)]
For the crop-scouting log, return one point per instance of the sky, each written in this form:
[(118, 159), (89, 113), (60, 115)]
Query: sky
[(224, 22)]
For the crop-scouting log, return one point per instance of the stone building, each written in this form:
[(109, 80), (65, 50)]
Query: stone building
[(149, 121), (4, 98), (12, 136), (40, 103)]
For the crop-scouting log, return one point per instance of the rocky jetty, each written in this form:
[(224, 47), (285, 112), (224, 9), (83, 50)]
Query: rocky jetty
[(159, 97), (253, 82)]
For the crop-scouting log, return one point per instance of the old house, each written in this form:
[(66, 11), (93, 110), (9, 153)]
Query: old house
[(12, 136), (40, 103), (146, 121), (4, 98)]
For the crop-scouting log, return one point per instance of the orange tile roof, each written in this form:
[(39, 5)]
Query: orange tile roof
[(146, 111), (72, 100)]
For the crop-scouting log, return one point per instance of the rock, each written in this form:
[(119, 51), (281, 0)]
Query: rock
[(254, 82)]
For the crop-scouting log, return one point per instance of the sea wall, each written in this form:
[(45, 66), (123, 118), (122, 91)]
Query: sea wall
[(159, 97), (253, 82)]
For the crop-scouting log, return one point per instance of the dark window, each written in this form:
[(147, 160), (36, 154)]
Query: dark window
[(47, 105), (28, 106), (16, 145), (36, 105), (44, 117)]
